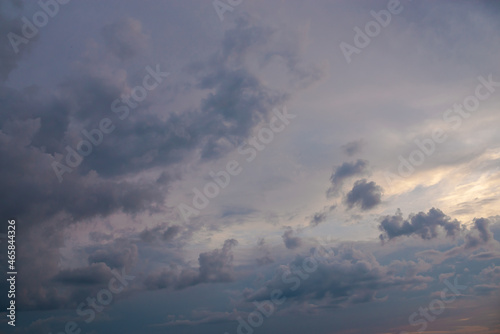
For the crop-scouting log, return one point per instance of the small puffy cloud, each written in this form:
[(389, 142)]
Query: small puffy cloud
[(320, 217), (366, 195), (345, 171), (291, 241), (353, 147)]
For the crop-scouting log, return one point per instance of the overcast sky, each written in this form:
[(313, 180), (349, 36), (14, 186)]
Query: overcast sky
[(251, 166)]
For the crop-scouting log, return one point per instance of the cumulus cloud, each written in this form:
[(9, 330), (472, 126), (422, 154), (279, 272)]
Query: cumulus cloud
[(424, 225), (291, 241), (340, 276), (214, 267), (345, 171), (483, 235), (365, 195), (118, 176)]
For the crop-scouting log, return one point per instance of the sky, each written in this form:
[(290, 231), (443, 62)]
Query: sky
[(250, 166)]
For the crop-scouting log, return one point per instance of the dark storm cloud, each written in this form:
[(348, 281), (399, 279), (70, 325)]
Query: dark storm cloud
[(48, 286), (341, 277), (37, 125), (291, 241), (36, 195), (366, 195), (214, 267), (345, 171), (8, 56), (121, 253), (160, 232), (424, 225), (125, 38), (96, 273), (171, 232), (353, 147)]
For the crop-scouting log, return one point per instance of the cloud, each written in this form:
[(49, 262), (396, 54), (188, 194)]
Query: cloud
[(424, 225), (291, 241), (36, 128), (366, 195), (341, 276), (121, 253), (489, 281), (96, 273), (320, 217), (214, 267), (160, 232), (11, 25), (125, 38), (36, 125), (353, 147), (345, 171), (483, 236), (203, 317), (266, 258)]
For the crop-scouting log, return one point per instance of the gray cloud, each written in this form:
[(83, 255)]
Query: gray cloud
[(121, 253), (8, 24), (291, 241), (96, 273), (342, 277), (160, 232), (345, 171), (214, 267), (483, 233), (267, 257), (424, 225), (320, 217), (125, 38), (353, 147), (366, 195)]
